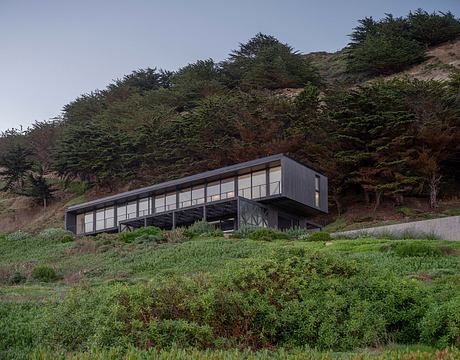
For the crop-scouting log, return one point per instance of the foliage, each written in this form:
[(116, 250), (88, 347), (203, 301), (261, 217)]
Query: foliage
[(266, 234), (17, 278), (39, 189), (44, 273), (441, 324), (18, 236), (203, 228), (56, 235), (130, 236), (264, 62), (392, 44), (319, 236), (416, 249), (15, 164)]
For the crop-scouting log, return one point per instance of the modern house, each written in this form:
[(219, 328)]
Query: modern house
[(274, 191)]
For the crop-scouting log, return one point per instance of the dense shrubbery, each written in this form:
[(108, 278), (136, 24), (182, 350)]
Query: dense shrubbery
[(57, 235), (297, 299), (18, 236), (131, 236), (203, 228), (44, 273), (393, 44), (416, 249), (318, 236)]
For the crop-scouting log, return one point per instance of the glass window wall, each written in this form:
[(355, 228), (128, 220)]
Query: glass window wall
[(259, 184), (89, 222), (185, 197), (198, 195), (171, 201), (160, 203), (213, 191), (227, 188), (144, 207), (131, 210), (80, 224), (244, 186), (121, 213), (275, 180)]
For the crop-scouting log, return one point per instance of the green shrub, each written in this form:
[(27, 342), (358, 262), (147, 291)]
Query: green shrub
[(410, 249), (319, 236), (296, 232), (17, 278), (177, 235), (200, 228), (243, 232), (57, 235), (44, 273), (267, 234), (151, 238), (179, 333), (441, 324), (18, 236), (130, 236)]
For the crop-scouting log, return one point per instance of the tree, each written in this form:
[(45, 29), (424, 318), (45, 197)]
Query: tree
[(266, 63), (39, 189), (14, 165), (435, 28)]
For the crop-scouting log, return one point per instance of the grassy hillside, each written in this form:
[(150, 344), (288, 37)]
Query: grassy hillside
[(113, 295)]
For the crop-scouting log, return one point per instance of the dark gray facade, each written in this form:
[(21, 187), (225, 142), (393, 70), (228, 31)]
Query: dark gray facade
[(274, 191)]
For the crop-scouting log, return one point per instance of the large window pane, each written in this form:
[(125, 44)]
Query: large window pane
[(227, 188), (259, 184), (144, 207), (185, 197), (80, 224), (131, 210), (171, 201), (159, 203), (244, 186), (198, 195), (317, 190), (109, 217), (275, 180), (121, 213), (213, 191), (100, 219), (89, 222)]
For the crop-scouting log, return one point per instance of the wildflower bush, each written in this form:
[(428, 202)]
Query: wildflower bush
[(57, 235), (18, 236)]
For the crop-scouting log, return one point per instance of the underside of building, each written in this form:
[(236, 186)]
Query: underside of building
[(275, 191)]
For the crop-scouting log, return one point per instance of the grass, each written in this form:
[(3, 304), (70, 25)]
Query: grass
[(96, 263)]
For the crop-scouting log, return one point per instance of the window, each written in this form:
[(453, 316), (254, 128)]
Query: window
[(185, 197), (259, 184), (144, 207), (274, 177), (131, 210), (317, 190), (100, 219), (244, 186), (213, 191), (109, 217), (171, 201), (227, 188), (160, 203), (80, 223), (198, 195), (89, 222), (121, 213)]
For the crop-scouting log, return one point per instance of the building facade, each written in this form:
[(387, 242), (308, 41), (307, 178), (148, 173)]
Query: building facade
[(274, 191)]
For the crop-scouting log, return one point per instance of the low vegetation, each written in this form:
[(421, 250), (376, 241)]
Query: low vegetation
[(134, 295)]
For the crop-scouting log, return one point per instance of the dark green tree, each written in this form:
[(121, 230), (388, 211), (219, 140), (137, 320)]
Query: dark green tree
[(38, 188), (435, 28), (14, 165)]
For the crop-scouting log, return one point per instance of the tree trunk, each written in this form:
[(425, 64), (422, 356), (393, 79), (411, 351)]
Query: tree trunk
[(338, 205), (434, 182), (44, 202), (378, 195), (366, 197)]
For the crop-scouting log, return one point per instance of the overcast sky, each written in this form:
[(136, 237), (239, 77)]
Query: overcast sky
[(53, 51)]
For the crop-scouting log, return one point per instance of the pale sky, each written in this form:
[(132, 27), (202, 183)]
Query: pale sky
[(54, 50)]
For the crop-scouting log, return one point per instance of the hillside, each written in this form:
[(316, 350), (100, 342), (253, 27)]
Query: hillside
[(166, 293)]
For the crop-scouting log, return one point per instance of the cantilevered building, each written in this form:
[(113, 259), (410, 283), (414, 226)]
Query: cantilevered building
[(274, 191)]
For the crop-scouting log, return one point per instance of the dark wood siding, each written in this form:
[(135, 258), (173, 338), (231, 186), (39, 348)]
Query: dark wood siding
[(298, 183)]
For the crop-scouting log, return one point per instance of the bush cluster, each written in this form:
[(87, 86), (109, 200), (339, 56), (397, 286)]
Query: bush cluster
[(146, 232), (44, 273), (411, 249), (318, 236), (296, 299), (18, 236), (56, 235), (203, 228)]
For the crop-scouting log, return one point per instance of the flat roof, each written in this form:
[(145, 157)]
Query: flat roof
[(173, 183)]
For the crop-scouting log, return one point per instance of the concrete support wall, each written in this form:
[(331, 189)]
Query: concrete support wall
[(447, 228)]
